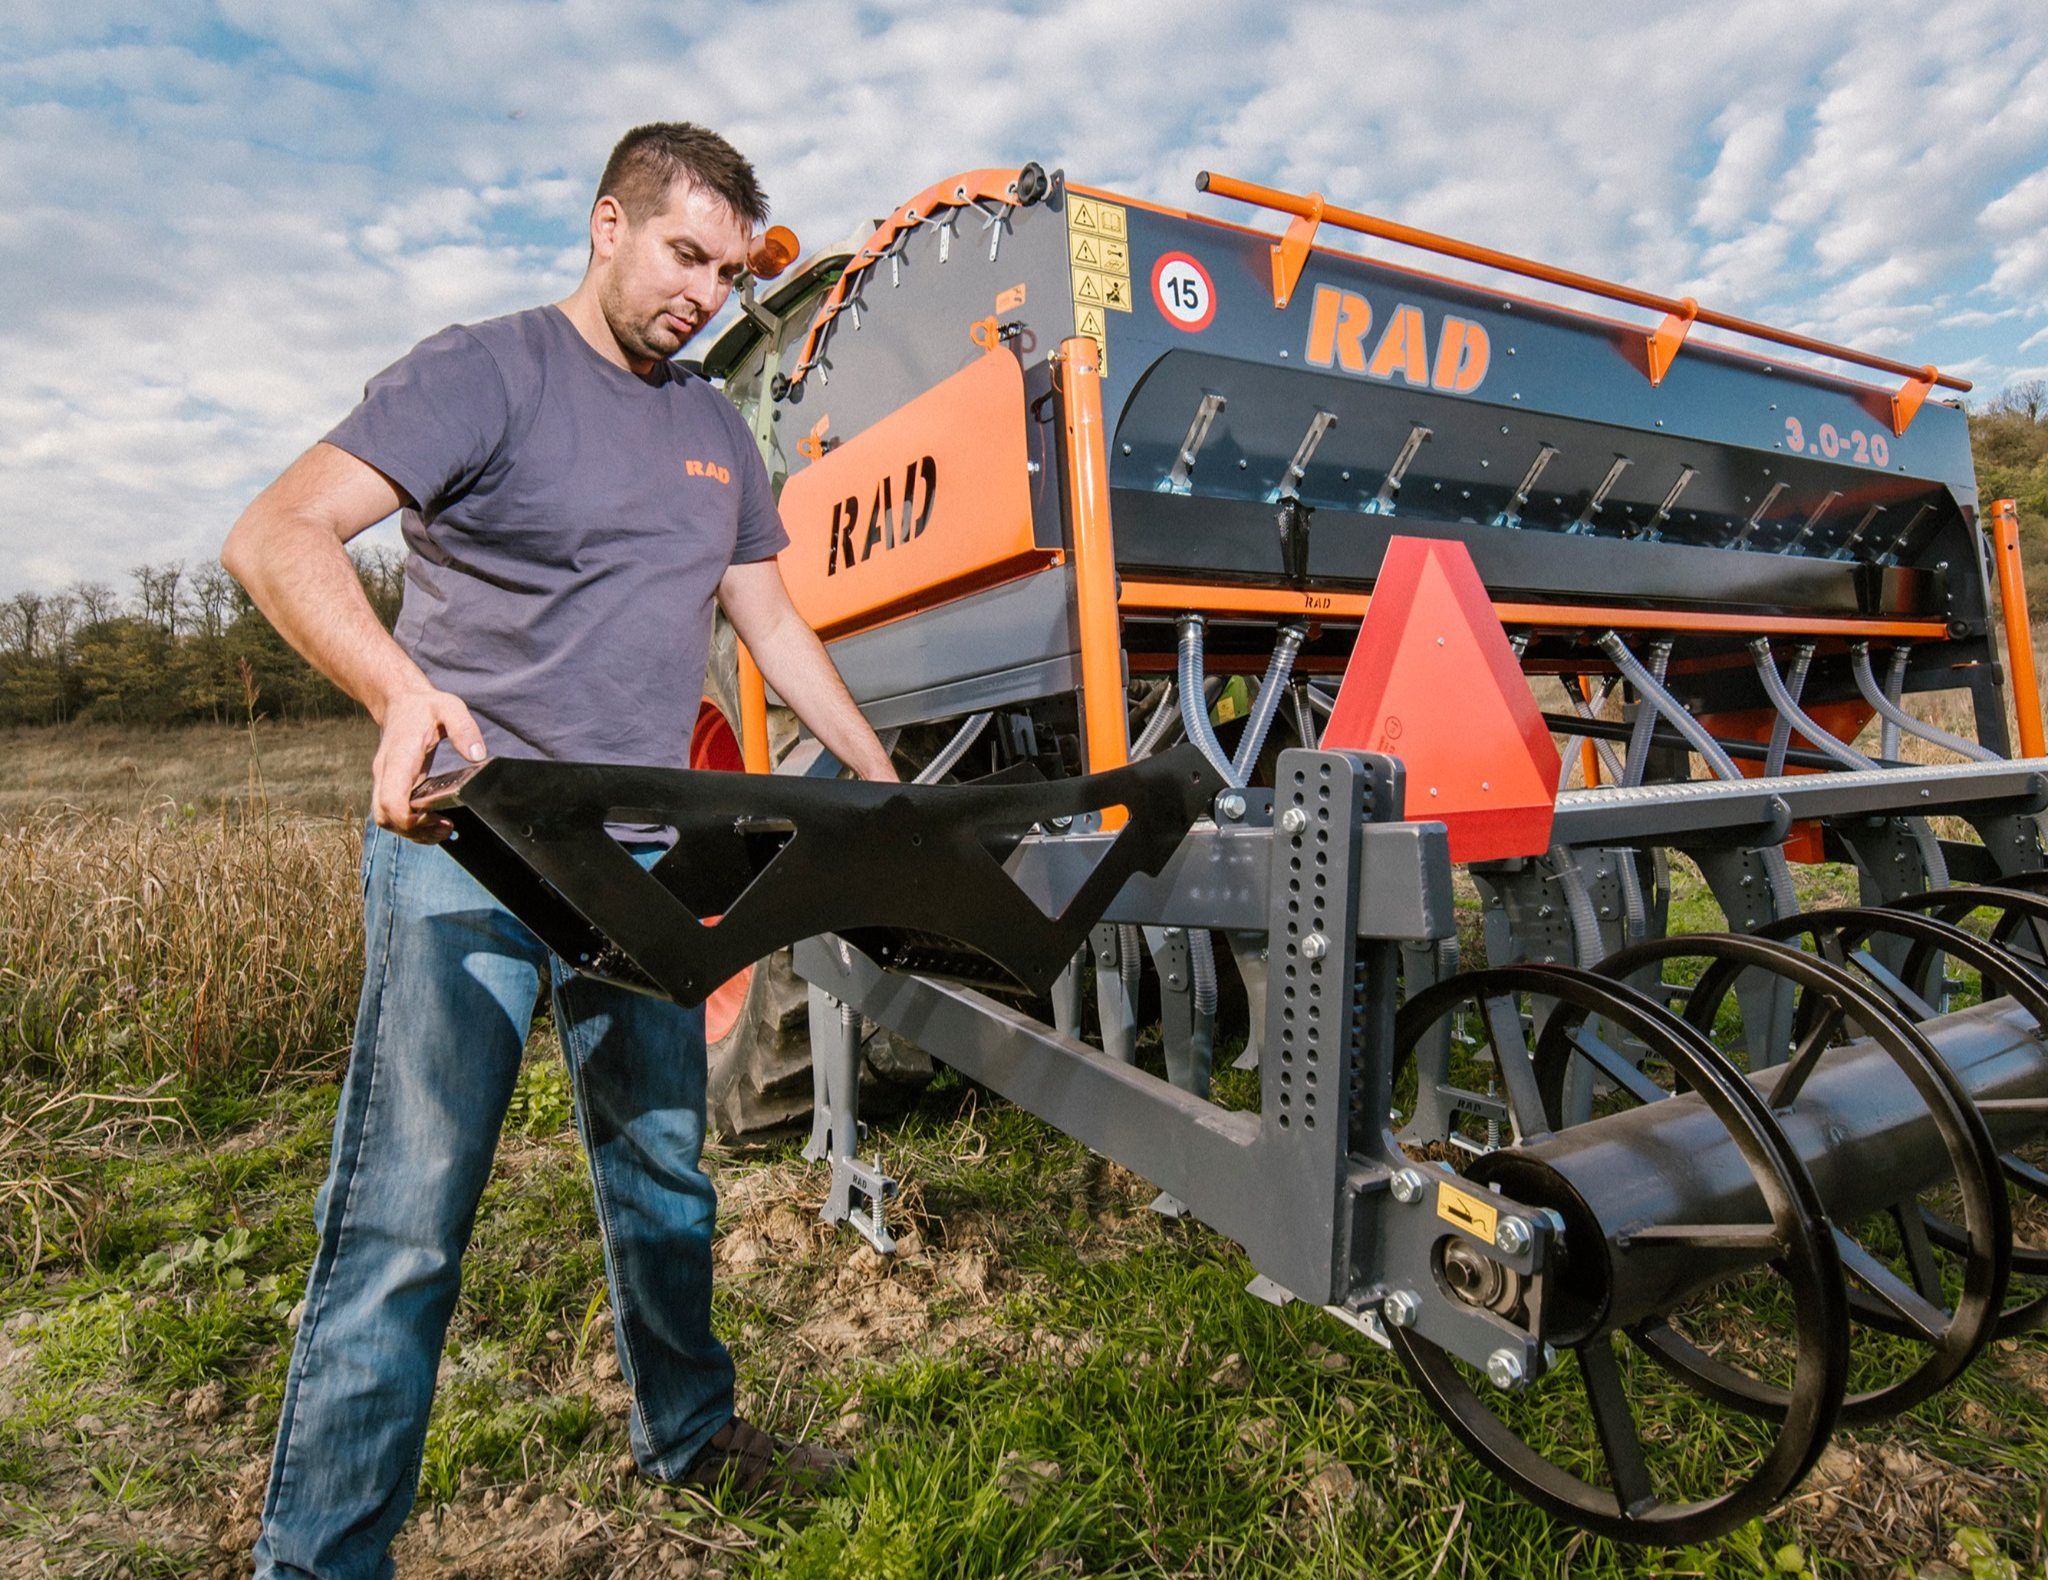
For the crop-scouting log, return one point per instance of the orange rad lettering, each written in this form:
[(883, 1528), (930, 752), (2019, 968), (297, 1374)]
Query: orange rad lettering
[(1462, 353), (1337, 328), (1339, 321), (1404, 348), (889, 525)]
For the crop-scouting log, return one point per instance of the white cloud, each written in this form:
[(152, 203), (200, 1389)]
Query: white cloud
[(217, 219)]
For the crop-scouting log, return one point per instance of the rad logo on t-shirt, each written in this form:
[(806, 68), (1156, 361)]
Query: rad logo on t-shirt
[(710, 469)]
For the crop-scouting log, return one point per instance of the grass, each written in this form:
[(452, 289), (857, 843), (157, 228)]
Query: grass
[(1049, 1379), (319, 768)]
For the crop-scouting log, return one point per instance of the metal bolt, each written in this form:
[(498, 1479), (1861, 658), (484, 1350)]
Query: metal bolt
[(1231, 805), (1293, 820), (1504, 1369), (1406, 1186), (1512, 1236), (1314, 947), (1401, 1308)]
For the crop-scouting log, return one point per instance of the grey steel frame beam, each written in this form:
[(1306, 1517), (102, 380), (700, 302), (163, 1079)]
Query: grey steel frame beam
[(1661, 812), (1183, 1144), (1220, 878), (1302, 1184)]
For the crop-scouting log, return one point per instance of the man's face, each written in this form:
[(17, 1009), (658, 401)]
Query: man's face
[(664, 278)]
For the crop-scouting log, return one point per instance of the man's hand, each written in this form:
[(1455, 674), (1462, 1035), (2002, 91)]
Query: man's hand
[(414, 723)]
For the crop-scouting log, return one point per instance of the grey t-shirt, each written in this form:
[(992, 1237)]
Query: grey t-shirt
[(568, 525)]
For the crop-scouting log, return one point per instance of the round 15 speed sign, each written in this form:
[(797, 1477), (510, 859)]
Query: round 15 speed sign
[(1183, 291)]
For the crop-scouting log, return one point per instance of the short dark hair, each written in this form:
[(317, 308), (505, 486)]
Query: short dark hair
[(649, 158)]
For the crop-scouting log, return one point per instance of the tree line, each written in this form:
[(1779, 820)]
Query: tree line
[(178, 645)]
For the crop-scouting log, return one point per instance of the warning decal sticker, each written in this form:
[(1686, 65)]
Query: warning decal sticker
[(1098, 252), (1473, 1214)]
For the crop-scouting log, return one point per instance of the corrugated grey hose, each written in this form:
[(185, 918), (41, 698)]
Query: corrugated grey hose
[(949, 754), (1618, 770), (1267, 704), (1202, 975), (1304, 715), (1571, 882), (1924, 837), (1194, 707), (1164, 717), (1638, 763), (1130, 965), (1589, 708), (1789, 709), (1898, 718), (1894, 687), (1777, 871), (1194, 712), (1649, 686), (1781, 728)]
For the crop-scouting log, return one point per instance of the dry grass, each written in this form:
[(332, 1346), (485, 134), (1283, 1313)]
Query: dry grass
[(210, 948), (319, 768)]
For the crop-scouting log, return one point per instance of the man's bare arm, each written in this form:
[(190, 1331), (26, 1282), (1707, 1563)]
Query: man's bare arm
[(795, 663), (286, 550)]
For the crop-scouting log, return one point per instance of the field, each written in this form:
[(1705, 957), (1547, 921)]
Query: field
[(1049, 1379)]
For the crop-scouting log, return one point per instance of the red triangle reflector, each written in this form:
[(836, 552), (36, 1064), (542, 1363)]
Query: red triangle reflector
[(1433, 682)]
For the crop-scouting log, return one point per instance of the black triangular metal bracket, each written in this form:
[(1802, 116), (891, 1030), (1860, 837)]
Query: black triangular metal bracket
[(776, 859)]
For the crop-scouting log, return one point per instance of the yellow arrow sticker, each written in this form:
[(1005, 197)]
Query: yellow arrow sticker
[(1474, 1214)]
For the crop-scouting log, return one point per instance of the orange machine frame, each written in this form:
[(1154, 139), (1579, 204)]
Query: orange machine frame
[(927, 505), (2019, 627)]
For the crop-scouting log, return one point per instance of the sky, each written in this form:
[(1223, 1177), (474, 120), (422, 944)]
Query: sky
[(219, 217)]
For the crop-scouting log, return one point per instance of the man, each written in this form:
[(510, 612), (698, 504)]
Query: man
[(558, 602)]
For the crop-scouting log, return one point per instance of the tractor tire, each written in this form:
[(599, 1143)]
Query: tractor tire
[(757, 1026), (760, 1068)]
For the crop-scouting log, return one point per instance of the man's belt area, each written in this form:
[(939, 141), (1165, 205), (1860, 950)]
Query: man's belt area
[(761, 861)]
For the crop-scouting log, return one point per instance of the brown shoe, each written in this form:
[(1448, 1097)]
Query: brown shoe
[(744, 1457)]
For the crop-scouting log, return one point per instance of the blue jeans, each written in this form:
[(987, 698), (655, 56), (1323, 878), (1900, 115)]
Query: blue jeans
[(451, 982)]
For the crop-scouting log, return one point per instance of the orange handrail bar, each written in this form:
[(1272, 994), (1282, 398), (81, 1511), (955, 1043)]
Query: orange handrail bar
[(2019, 630), (1682, 312), (753, 700), (1104, 726)]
